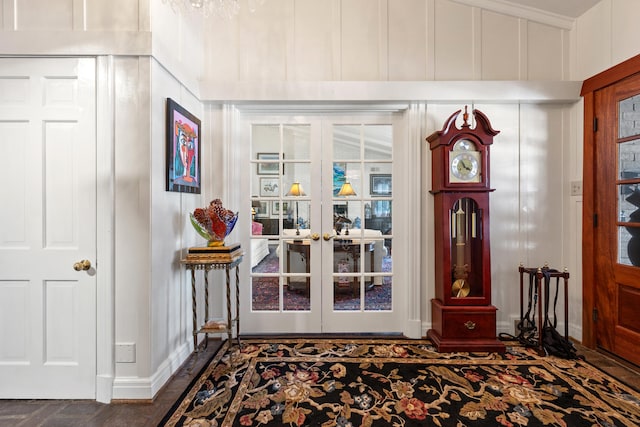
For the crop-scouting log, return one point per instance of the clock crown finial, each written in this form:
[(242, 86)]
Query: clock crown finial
[(465, 117)]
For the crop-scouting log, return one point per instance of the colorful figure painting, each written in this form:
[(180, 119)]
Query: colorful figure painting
[(183, 149)]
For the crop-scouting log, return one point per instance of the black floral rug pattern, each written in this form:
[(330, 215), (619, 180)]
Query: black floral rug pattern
[(397, 382)]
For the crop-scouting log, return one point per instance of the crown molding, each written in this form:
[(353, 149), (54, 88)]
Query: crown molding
[(520, 11), (516, 91)]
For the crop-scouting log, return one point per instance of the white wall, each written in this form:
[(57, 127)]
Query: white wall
[(384, 40), (605, 36)]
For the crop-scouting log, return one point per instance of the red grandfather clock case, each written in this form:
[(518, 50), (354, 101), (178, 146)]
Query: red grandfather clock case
[(462, 316)]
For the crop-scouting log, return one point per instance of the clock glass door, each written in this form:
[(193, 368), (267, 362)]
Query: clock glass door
[(466, 249)]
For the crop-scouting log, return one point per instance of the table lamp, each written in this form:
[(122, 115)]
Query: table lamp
[(345, 191), (296, 191)]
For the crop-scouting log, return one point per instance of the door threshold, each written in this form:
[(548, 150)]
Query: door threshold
[(375, 335)]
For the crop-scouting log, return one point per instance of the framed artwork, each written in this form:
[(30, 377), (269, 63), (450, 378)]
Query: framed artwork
[(182, 149), (262, 209), (340, 209), (277, 206), (268, 168), (380, 184), (381, 208), (339, 176), (269, 187)]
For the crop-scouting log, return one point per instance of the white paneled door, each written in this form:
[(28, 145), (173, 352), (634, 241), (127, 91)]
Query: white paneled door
[(47, 228)]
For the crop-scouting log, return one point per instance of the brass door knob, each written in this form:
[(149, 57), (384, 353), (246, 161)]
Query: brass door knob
[(315, 236), (327, 236), (83, 265)]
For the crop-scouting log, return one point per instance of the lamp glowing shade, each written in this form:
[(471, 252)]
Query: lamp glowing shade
[(296, 190), (347, 190)]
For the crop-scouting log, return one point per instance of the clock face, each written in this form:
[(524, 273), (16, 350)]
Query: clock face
[(465, 166)]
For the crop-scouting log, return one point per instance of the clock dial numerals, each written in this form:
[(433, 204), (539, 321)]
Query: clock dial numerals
[(465, 167)]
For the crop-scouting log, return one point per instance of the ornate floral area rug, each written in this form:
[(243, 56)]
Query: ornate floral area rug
[(398, 382)]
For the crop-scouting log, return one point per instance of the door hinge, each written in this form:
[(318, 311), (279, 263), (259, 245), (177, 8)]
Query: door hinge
[(595, 220), (595, 314), (595, 124)]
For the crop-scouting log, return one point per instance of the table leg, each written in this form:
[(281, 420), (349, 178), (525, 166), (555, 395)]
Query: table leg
[(206, 304), (194, 307), (307, 263), (521, 304), (356, 269), (372, 267), (566, 306), (229, 318), (238, 306), (288, 264), (541, 300)]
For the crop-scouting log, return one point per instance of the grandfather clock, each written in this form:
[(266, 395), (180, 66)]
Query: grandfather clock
[(462, 316)]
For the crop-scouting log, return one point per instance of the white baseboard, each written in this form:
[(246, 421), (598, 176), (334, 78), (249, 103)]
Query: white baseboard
[(104, 388), (138, 388)]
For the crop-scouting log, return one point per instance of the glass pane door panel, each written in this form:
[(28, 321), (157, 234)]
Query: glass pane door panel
[(297, 268), (296, 142), (347, 141), (629, 203), (629, 159), (267, 138), (265, 269), (377, 142), (279, 252), (628, 117), (378, 296), (628, 184), (362, 200), (629, 245)]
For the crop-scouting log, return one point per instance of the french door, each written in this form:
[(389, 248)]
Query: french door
[(322, 225)]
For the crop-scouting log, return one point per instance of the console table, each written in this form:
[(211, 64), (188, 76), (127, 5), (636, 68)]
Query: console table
[(346, 245), (206, 259)]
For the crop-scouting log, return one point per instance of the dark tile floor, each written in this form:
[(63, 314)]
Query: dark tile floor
[(71, 413), (87, 413)]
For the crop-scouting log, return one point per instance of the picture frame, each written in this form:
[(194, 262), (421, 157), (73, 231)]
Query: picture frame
[(339, 176), (380, 185), (269, 168), (340, 209), (183, 149), (381, 208), (269, 187), (278, 206), (262, 209)]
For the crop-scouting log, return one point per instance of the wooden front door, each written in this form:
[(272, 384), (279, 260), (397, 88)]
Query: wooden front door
[(612, 232)]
